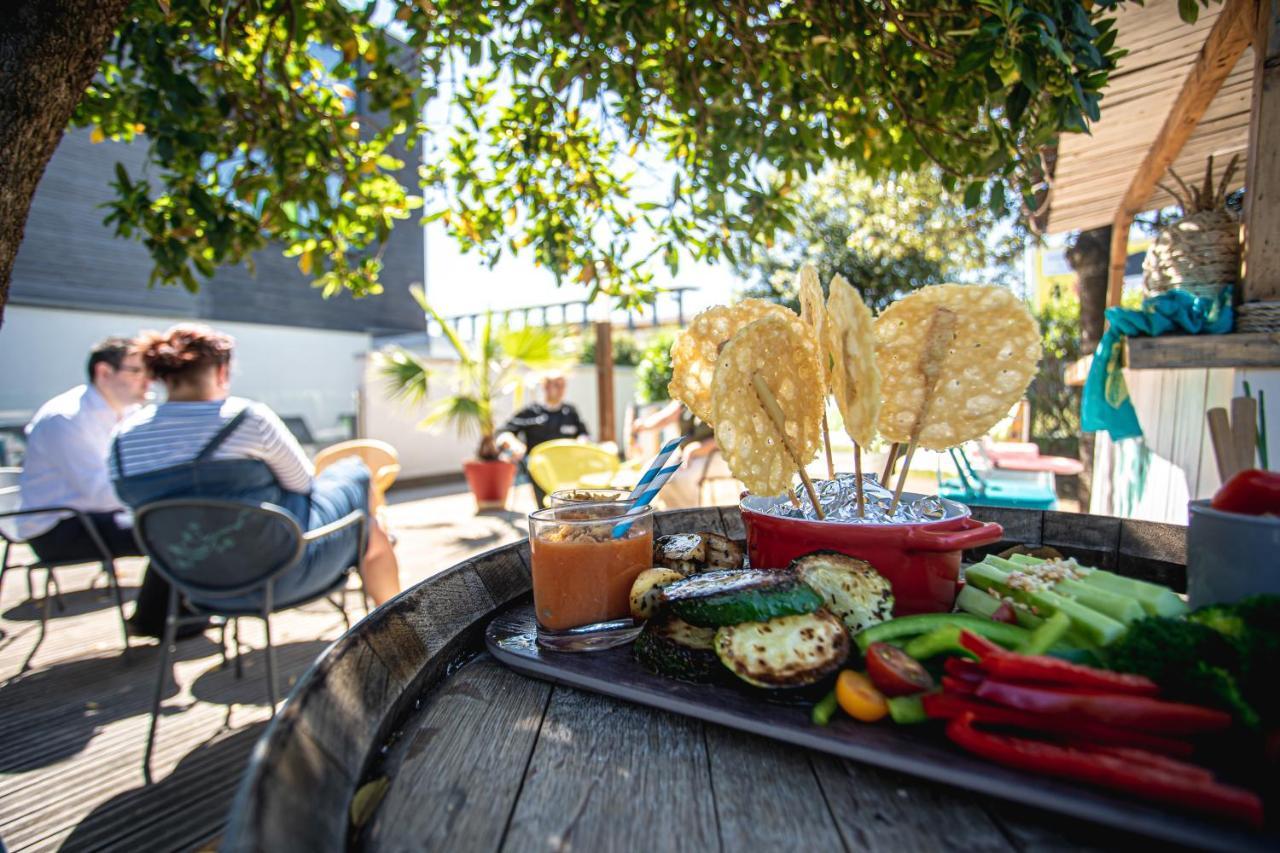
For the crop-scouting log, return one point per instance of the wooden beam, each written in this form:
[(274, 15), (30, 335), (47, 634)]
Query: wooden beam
[(604, 382), (1262, 198), (1248, 349), (1227, 40)]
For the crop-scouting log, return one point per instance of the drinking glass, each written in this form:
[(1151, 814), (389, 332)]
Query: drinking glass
[(582, 573)]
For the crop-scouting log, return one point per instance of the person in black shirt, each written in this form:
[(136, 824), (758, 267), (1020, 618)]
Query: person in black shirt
[(541, 422)]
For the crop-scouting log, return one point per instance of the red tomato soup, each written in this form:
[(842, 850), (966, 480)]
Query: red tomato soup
[(582, 579)]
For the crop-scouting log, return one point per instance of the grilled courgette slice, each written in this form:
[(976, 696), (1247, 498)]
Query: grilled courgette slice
[(674, 648), (712, 599), (790, 651), (851, 588), (646, 591), (688, 553)]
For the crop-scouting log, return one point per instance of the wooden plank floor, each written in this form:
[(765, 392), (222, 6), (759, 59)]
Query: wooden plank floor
[(73, 727)]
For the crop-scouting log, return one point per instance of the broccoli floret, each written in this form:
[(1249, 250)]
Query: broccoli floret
[(1189, 661), (1252, 627)]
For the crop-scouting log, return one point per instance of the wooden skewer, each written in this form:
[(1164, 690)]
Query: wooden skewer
[(1244, 431), (857, 473), (826, 442), (888, 466), (942, 331), (1220, 434), (774, 411)]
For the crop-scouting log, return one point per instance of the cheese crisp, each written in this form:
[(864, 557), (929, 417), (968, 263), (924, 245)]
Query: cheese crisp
[(855, 378)]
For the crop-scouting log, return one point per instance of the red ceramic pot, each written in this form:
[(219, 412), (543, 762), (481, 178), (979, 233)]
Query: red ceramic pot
[(921, 561), (489, 481)]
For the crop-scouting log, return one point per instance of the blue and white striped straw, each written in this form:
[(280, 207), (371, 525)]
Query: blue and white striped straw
[(654, 478)]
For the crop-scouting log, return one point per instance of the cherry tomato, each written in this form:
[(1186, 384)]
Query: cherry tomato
[(859, 697), (895, 672), (1005, 613), (1251, 492)]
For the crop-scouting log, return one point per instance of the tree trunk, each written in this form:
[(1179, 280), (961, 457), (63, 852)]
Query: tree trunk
[(49, 52), (1090, 257)]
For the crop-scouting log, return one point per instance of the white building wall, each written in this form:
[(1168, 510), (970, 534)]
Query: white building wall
[(439, 450), (311, 373)]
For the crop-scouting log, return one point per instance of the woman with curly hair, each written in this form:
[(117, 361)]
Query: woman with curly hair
[(202, 442)]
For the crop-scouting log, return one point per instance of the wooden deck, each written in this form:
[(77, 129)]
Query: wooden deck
[(73, 727)]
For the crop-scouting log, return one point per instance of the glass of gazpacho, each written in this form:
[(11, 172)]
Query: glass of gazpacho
[(582, 573)]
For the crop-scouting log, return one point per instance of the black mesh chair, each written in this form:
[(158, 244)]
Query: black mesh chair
[(210, 550), (9, 536)]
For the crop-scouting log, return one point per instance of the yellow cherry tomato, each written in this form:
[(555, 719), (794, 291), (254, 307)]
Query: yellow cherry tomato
[(859, 697)]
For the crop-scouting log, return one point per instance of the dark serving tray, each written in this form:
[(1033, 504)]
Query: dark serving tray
[(919, 750)]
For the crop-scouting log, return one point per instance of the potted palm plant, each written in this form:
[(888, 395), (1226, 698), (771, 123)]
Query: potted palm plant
[(493, 367)]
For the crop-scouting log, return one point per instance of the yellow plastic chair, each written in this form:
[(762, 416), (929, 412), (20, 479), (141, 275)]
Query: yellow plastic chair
[(382, 459), (562, 463)]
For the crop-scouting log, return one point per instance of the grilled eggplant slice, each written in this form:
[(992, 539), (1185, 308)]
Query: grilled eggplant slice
[(790, 651), (712, 599), (673, 647), (689, 553), (646, 591), (852, 590)]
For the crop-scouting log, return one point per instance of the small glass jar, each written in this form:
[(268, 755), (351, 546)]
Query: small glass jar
[(584, 557)]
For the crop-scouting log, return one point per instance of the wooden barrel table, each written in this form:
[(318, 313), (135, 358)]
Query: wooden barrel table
[(407, 735)]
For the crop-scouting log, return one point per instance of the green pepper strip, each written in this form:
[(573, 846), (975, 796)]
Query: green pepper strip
[(1046, 635), (923, 623), (945, 640), (823, 711), (907, 710)]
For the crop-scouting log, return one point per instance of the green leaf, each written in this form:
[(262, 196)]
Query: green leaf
[(1188, 10), (973, 195)]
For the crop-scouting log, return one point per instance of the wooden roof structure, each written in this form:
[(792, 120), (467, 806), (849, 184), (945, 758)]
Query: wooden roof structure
[(1093, 170)]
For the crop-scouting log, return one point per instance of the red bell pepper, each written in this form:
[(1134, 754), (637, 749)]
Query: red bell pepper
[(980, 646), (1048, 670), (1140, 712), (1184, 789), (949, 706), (964, 669), (1250, 492), (959, 686), (1144, 757)]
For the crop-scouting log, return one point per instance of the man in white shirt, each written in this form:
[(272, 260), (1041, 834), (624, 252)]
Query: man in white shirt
[(68, 442)]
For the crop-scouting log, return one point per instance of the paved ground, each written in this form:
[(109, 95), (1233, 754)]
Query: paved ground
[(73, 726)]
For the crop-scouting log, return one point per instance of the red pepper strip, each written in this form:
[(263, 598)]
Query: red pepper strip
[(1107, 771), (1140, 712), (980, 646), (964, 669), (944, 706), (1143, 757), (959, 686), (1040, 668)]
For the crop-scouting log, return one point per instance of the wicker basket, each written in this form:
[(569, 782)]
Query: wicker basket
[(1203, 248), (1258, 317)]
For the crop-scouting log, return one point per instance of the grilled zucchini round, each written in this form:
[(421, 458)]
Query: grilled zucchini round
[(851, 588), (674, 648), (790, 651), (712, 599), (646, 591)]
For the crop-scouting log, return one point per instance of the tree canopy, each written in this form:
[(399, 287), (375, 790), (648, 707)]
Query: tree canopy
[(600, 137), (886, 237)]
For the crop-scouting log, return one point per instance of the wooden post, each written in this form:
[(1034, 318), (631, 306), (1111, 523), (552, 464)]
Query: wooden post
[(604, 381), (1227, 40), (1262, 180)]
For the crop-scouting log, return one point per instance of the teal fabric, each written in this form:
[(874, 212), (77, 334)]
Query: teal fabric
[(1106, 404)]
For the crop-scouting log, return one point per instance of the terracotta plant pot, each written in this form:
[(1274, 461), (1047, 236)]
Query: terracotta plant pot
[(921, 561), (490, 482)]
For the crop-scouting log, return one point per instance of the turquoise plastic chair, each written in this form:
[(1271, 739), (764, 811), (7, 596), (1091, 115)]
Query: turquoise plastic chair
[(976, 490)]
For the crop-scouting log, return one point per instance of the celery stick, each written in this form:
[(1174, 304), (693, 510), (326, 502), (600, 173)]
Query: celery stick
[(1122, 608), (1154, 599), (972, 600), (1025, 559), (1089, 624), (1047, 635)]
